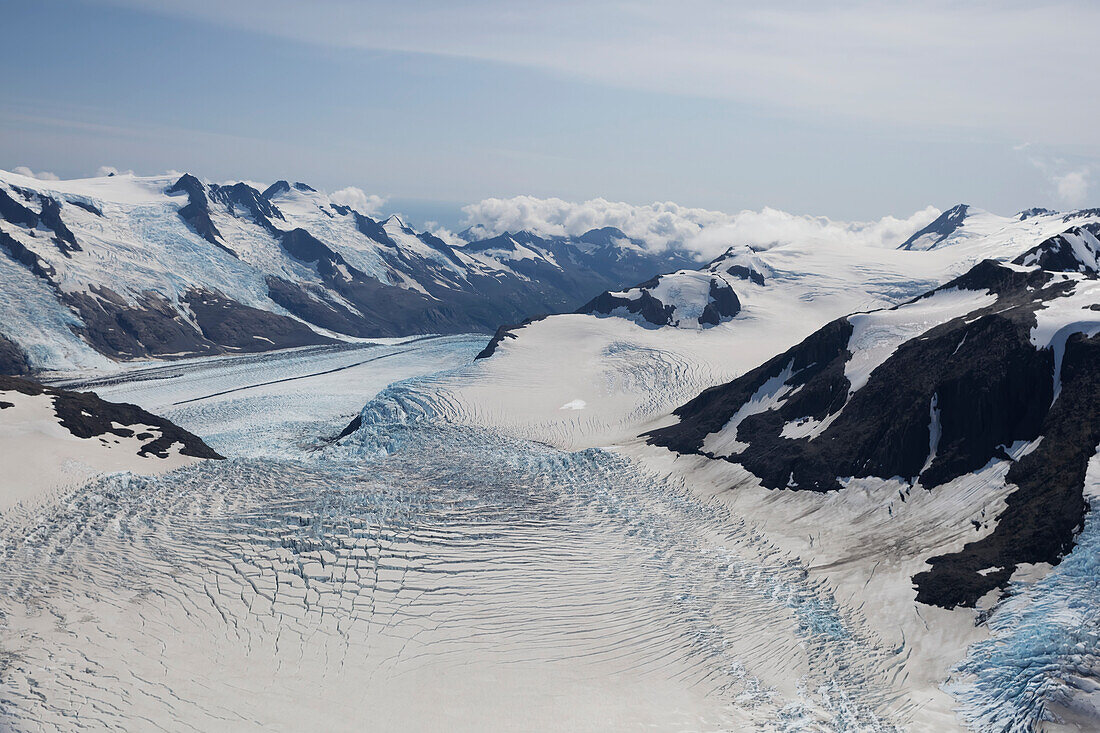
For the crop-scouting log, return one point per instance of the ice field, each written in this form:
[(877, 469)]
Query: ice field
[(424, 574)]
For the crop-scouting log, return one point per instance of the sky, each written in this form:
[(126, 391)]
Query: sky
[(857, 111)]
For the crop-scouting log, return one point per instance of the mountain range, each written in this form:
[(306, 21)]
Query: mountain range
[(125, 267)]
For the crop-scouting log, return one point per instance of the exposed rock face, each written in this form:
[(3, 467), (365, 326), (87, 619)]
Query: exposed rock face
[(13, 360), (155, 327), (944, 403), (85, 415), (943, 227), (1047, 509), (238, 327), (650, 309), (90, 208), (723, 304), (16, 212), (745, 274), (1033, 212), (197, 211), (19, 252), (1075, 250), (51, 217), (151, 327)]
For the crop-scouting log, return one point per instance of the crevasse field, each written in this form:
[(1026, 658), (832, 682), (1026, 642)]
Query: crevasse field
[(425, 574)]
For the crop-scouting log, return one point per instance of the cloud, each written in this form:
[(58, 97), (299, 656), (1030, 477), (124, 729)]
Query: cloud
[(1070, 181), (444, 233), (41, 175), (258, 185), (1073, 187), (770, 227), (109, 170), (705, 232), (940, 63), (359, 200)]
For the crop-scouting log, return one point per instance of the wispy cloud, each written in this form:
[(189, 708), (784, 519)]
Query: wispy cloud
[(931, 63), (40, 175), (1069, 181), (706, 232), (1073, 187)]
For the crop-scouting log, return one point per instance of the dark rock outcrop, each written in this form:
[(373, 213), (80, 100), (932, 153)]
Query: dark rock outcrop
[(1047, 509), (18, 252), (989, 388), (15, 212), (114, 326), (197, 211), (85, 415), (155, 327), (87, 206), (505, 332), (645, 305), (723, 304), (242, 197), (1033, 212), (239, 327), (943, 227), (1058, 253), (51, 217), (745, 273), (13, 360)]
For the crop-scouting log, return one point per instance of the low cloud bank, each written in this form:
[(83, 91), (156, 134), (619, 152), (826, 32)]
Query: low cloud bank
[(358, 199), (659, 225), (40, 175)]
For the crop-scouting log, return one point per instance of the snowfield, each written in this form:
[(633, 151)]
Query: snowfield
[(501, 584)]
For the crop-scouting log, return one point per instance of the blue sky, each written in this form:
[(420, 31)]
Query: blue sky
[(855, 113)]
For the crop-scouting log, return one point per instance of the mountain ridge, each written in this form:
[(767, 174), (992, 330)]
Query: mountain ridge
[(121, 267)]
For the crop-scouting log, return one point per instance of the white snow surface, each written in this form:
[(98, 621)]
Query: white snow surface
[(42, 459), (358, 585)]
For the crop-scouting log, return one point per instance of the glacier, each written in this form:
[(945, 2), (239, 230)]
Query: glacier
[(417, 574)]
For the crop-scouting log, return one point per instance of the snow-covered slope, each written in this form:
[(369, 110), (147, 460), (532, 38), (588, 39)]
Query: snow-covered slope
[(736, 587), (54, 438), (126, 267), (1000, 364)]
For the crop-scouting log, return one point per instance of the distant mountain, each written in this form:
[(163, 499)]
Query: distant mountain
[(944, 226), (687, 298), (126, 267), (746, 283)]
